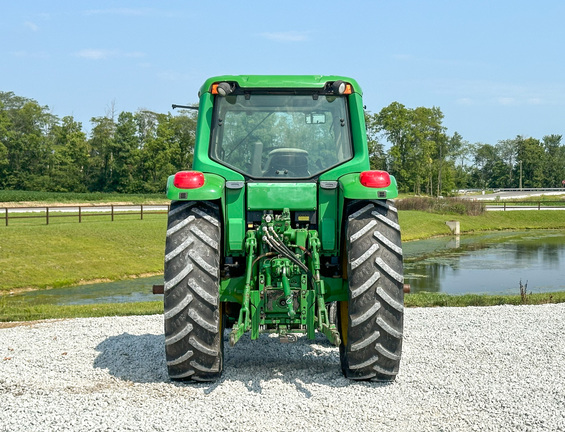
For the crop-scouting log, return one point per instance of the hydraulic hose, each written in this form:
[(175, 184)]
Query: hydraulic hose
[(289, 254), (280, 247)]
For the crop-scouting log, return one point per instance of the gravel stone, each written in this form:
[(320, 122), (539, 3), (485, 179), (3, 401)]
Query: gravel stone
[(496, 368)]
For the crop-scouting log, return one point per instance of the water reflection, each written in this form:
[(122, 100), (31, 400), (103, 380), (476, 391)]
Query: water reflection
[(126, 291), (493, 263)]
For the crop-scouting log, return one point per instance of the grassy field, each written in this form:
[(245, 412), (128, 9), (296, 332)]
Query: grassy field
[(440, 299), (14, 196), (67, 253), (40, 312), (419, 225), (64, 253)]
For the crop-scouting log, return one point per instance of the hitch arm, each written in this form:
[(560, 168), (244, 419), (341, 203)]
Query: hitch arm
[(244, 322), (324, 325)]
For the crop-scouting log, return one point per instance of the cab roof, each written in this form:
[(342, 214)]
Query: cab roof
[(279, 81)]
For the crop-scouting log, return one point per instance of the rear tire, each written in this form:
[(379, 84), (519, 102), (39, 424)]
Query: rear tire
[(371, 322), (193, 313)]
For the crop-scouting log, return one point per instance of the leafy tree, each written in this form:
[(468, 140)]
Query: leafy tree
[(126, 154), (418, 144), (377, 154), (489, 168), (101, 154), (530, 153), (554, 163), (71, 157), (135, 152), (184, 130), (25, 127), (394, 121), (4, 162), (456, 147), (158, 153), (507, 150)]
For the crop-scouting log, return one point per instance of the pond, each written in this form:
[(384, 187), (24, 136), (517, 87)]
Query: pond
[(492, 263), (130, 290)]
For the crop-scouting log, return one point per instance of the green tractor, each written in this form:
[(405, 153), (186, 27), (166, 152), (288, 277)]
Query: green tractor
[(282, 228)]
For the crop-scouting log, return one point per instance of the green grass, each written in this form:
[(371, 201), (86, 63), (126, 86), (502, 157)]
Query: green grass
[(68, 253), (74, 197), (420, 225), (65, 252), (41, 312), (58, 216), (440, 299)]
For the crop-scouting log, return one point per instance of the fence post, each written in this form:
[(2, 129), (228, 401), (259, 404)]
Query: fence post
[(112, 212), (79, 214), (539, 205), (47, 215), (6, 215), (504, 206), (141, 211)]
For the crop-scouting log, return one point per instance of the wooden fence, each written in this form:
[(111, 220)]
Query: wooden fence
[(79, 212), (525, 205)]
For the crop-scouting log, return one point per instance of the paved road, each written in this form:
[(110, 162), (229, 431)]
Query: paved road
[(512, 195)]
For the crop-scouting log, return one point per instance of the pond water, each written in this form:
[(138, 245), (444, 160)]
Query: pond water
[(131, 290), (493, 263)]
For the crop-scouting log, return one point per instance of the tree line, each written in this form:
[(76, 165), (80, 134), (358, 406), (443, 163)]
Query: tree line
[(135, 152), (425, 159), (127, 152)]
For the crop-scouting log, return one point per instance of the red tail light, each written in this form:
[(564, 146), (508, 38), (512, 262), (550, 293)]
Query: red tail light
[(189, 179), (375, 179)]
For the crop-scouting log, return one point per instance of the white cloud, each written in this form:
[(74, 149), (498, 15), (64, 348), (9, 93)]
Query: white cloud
[(506, 101), (465, 101), (32, 26), (508, 94), (289, 36)]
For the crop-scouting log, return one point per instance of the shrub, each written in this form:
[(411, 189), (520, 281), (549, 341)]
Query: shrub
[(442, 205), (65, 197)]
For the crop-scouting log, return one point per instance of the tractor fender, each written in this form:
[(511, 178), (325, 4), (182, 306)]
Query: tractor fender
[(212, 189), (351, 188)]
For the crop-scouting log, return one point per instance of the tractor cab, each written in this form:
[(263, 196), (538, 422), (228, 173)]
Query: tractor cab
[(281, 135)]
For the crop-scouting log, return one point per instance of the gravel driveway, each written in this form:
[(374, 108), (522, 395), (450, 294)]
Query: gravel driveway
[(493, 368)]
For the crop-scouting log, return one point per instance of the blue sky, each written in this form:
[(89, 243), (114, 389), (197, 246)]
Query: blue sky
[(495, 68)]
